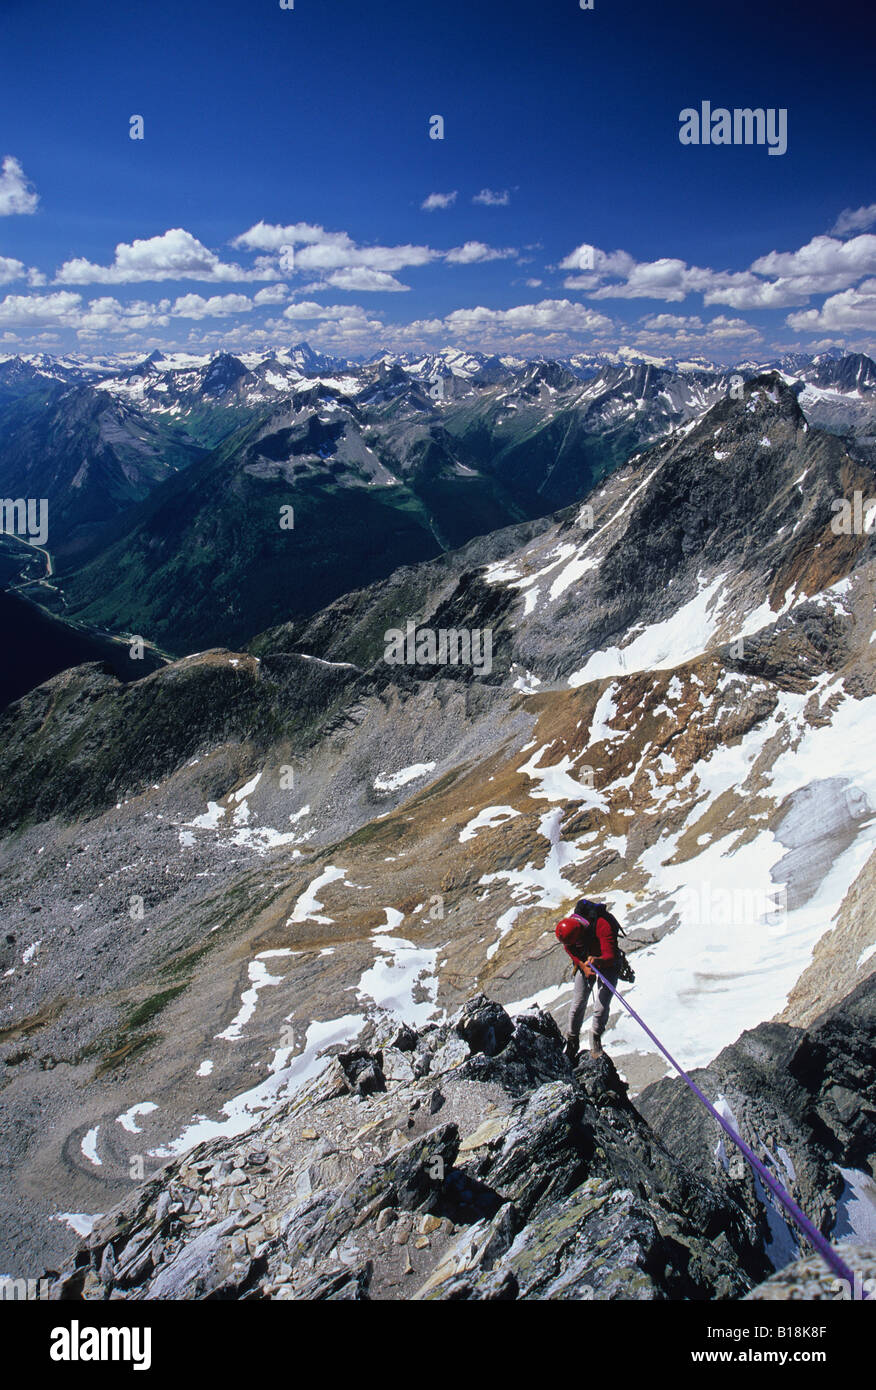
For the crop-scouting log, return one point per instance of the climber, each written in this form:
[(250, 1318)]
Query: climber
[(589, 937)]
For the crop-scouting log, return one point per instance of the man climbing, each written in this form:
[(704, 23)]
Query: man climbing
[(589, 937)]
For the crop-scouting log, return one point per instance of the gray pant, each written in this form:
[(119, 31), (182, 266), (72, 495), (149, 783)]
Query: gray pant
[(583, 987)]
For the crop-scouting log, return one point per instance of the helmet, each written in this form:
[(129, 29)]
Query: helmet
[(567, 929)]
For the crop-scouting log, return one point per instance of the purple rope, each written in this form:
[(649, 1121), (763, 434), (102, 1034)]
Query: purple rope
[(821, 1243)]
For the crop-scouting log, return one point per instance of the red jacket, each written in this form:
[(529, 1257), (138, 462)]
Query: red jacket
[(579, 944)]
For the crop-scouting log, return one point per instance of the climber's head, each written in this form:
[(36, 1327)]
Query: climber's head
[(567, 929)]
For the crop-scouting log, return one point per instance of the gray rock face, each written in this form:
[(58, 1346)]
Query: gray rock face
[(537, 1182), (198, 1269), (485, 1026), (804, 1101)]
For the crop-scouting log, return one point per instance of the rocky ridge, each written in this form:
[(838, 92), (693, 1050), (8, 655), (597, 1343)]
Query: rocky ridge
[(471, 1161), (464, 1161)]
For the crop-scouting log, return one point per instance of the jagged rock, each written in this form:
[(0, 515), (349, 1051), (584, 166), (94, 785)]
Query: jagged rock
[(200, 1268), (364, 1071), (484, 1025), (788, 1091), (106, 1273), (529, 1058), (330, 1082), (599, 1242), (162, 1207), (68, 1286), (404, 1039), (397, 1065), (553, 1123), (452, 1053), (487, 1133), (343, 1287), (474, 1251), (542, 1182), (137, 1268), (599, 1079)]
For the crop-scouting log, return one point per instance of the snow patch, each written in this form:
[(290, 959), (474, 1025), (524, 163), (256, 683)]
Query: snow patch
[(489, 817), (128, 1121), (395, 780)]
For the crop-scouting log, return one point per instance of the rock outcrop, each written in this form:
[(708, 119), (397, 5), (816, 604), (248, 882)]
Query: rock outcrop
[(463, 1161), (810, 1280), (805, 1101)]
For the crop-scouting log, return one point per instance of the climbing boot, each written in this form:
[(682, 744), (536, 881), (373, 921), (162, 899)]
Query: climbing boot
[(571, 1049), (596, 1047)]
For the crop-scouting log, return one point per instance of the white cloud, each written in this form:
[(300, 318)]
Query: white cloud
[(671, 279), (674, 321), (666, 278), (824, 264), (438, 200), (11, 270), (602, 263), (778, 280), (322, 261), (309, 309), (342, 263), (364, 278), (175, 255), (548, 315), (340, 327), (742, 290), (108, 315), (490, 199), (16, 194), (266, 236), (272, 294), (32, 309), (852, 310), (474, 252), (327, 251), (340, 252), (681, 332), (854, 220), (194, 306), (64, 309)]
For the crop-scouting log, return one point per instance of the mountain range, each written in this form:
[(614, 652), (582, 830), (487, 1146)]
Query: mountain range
[(195, 501), (231, 882)]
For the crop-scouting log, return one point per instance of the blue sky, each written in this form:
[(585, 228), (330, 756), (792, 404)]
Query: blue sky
[(279, 190)]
